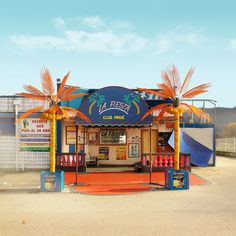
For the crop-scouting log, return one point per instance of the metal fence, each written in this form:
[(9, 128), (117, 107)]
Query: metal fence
[(10, 154), (226, 145)]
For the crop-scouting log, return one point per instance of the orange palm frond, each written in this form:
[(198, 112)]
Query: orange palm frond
[(155, 108), (55, 109), (173, 75), (78, 113), (74, 96), (202, 113), (82, 116), (162, 112), (189, 109), (32, 96), (166, 79), (33, 90), (195, 91), (47, 82), (186, 82), (153, 92), (169, 91), (63, 83), (65, 113), (197, 111), (68, 91), (29, 112), (176, 77)]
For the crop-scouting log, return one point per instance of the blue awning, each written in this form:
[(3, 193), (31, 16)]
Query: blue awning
[(114, 106)]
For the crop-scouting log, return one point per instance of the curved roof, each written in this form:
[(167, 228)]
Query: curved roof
[(114, 106)]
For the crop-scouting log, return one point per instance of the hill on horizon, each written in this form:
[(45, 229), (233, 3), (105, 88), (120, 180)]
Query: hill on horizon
[(223, 116)]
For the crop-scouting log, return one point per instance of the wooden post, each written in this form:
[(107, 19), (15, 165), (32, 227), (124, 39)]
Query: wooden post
[(52, 142), (76, 150), (84, 161), (150, 153)]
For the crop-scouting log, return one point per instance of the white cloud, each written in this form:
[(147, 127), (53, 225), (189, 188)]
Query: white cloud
[(59, 23), (178, 38), (232, 44), (122, 25), (93, 22), (192, 38), (34, 42), (98, 42), (163, 45), (110, 37), (105, 42)]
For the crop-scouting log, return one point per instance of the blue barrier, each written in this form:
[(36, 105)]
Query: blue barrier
[(52, 182)]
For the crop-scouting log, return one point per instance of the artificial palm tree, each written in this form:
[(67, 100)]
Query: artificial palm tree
[(172, 89), (55, 111)]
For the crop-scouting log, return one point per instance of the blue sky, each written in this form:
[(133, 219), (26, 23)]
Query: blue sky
[(126, 43)]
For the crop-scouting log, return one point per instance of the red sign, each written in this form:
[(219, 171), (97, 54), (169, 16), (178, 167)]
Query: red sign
[(169, 125)]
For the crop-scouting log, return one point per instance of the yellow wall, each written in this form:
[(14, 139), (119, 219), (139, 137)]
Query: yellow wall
[(146, 142)]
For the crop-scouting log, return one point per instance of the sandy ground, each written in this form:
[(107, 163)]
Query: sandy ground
[(202, 210)]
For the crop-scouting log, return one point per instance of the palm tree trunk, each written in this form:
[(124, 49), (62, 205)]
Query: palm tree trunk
[(52, 142), (176, 139)]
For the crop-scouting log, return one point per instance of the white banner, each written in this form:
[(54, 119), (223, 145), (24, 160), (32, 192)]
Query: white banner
[(35, 135)]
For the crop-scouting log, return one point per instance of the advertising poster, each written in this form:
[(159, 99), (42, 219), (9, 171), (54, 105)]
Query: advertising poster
[(103, 153), (35, 135), (134, 150), (92, 138), (178, 181), (50, 183), (121, 153), (71, 135)]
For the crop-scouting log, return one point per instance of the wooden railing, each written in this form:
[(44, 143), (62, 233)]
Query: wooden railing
[(165, 160), (69, 160)]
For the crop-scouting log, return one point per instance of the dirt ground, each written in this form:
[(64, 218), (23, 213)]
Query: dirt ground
[(202, 210)]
